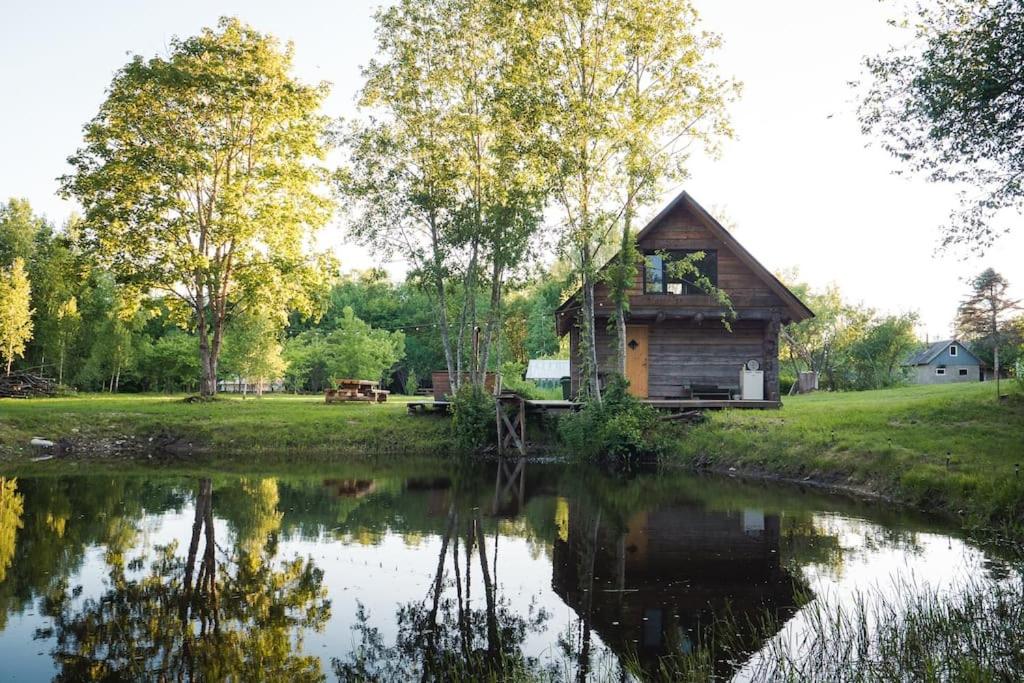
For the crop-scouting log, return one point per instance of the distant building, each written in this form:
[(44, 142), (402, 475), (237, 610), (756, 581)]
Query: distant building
[(240, 385), (547, 372), (944, 362)]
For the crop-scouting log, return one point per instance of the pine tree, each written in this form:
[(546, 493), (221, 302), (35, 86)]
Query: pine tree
[(983, 314)]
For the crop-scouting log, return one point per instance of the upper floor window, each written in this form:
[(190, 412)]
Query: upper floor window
[(952, 349), (661, 278)]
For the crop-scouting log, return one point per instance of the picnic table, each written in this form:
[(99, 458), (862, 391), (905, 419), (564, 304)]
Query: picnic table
[(356, 390)]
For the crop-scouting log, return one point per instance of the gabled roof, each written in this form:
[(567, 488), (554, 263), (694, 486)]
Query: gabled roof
[(929, 354), (797, 309)]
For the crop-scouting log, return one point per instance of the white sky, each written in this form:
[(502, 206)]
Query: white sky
[(798, 182)]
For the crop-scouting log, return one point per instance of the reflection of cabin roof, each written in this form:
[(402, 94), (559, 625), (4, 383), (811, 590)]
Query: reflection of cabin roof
[(547, 369)]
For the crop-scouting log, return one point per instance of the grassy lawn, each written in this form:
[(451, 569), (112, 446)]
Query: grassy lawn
[(893, 442), (271, 424)]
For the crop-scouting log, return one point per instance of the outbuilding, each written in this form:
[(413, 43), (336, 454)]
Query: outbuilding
[(944, 362)]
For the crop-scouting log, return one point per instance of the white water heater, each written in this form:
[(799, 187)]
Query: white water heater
[(752, 382)]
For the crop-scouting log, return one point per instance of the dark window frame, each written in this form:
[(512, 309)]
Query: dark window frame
[(688, 289)]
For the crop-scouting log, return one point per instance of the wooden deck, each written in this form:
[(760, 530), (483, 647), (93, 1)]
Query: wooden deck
[(662, 404), (557, 406)]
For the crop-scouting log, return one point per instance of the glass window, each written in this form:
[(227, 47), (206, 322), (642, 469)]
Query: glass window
[(654, 274), (706, 267), (963, 372), (940, 371), (952, 350), (659, 278)]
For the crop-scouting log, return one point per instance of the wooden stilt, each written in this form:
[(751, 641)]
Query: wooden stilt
[(510, 412)]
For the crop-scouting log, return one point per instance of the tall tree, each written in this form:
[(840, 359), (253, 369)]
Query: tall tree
[(199, 177), (18, 229), (673, 98), (948, 102), (985, 312), (15, 312), (630, 86), (445, 171)]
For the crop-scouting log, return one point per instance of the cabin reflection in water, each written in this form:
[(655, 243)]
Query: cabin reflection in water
[(653, 587)]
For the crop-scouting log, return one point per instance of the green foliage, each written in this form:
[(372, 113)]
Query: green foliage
[(170, 363), (946, 103), (252, 350), (200, 178), (876, 358), (352, 350), (851, 347), (412, 384), (15, 312), (18, 229), (473, 418), (618, 427), (381, 303)]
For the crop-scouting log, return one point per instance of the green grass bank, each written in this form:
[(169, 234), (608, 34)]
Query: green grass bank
[(228, 428), (893, 443)]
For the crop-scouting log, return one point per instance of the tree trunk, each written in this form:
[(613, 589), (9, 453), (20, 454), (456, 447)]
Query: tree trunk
[(590, 375), (437, 273), (996, 358)]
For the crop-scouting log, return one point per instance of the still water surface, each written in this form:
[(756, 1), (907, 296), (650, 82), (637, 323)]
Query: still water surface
[(559, 572)]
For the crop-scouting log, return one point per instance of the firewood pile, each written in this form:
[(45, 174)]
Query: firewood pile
[(26, 385)]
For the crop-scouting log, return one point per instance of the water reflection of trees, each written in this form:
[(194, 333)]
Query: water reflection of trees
[(12, 505), (449, 634), (209, 614)]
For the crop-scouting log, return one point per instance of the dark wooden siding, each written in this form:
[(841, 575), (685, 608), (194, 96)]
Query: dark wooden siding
[(682, 230), (683, 352)]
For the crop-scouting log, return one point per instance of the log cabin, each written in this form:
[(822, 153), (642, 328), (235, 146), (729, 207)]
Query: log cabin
[(677, 345)]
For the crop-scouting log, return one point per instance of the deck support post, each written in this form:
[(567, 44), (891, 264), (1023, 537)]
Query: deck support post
[(510, 411), (506, 482)]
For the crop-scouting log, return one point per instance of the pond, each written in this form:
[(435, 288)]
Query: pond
[(543, 571)]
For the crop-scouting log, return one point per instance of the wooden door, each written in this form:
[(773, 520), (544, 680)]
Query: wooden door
[(636, 359)]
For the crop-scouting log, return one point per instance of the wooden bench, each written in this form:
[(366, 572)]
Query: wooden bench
[(710, 392)]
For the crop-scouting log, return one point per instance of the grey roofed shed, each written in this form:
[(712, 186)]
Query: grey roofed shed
[(553, 370)]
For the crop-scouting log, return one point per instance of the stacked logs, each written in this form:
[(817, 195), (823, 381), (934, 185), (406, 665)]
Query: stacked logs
[(26, 385)]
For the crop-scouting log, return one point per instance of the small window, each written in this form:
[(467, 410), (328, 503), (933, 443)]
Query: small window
[(940, 371), (952, 350), (963, 372)]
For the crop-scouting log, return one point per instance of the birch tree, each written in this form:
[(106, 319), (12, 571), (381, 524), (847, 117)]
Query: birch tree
[(443, 170), (631, 86), (15, 312), (199, 177)]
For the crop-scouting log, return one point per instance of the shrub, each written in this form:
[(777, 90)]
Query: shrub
[(412, 384), (618, 427), (473, 417)]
